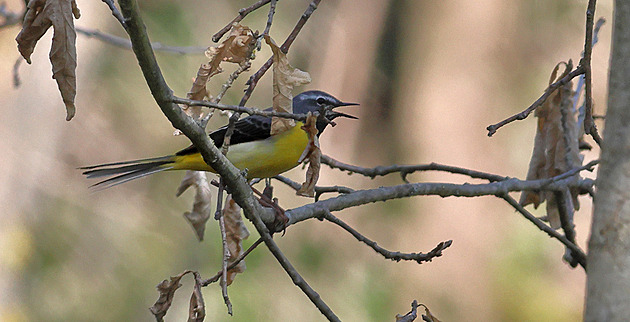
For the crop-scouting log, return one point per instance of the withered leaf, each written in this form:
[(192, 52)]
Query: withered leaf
[(236, 232), (555, 146), (236, 48), (285, 77), (202, 209), (40, 16), (314, 154), (167, 291)]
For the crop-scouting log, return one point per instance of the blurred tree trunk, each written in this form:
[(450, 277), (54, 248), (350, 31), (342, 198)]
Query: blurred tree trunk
[(608, 286)]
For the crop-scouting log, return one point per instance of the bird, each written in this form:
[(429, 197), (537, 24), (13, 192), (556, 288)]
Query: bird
[(252, 147)]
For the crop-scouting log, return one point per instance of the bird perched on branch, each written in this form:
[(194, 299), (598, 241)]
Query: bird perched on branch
[(252, 146)]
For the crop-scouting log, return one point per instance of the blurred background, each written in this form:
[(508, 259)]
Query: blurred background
[(430, 76)]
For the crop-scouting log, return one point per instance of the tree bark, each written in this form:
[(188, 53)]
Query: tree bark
[(608, 285)]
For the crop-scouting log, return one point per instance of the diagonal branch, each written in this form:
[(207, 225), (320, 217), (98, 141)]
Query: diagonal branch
[(552, 88), (241, 14), (589, 124), (395, 256), (125, 43)]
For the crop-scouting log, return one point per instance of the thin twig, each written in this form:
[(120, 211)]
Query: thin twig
[(241, 68), (319, 190), (394, 256), (238, 109), (125, 43), (550, 89), (241, 14), (253, 80), (226, 256), (116, 13), (408, 169), (580, 257), (231, 266), (589, 124), (566, 211), (272, 11), (16, 73)]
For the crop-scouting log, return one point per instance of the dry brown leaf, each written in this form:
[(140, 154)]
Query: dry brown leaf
[(202, 209), (40, 16), (428, 315), (314, 154), (236, 48), (236, 232), (550, 156), (167, 292), (285, 77)]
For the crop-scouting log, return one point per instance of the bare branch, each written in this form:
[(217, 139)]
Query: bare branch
[(241, 14), (115, 12), (125, 43), (499, 188), (238, 109), (272, 11), (580, 257), (408, 169), (319, 190), (552, 88), (585, 63), (236, 262), (395, 256)]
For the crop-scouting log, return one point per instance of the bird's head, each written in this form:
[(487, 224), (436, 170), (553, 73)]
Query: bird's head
[(324, 103)]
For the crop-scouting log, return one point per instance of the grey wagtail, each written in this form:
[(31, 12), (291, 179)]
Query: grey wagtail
[(252, 146)]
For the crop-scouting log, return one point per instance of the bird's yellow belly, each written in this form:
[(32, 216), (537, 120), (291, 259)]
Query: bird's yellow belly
[(262, 159)]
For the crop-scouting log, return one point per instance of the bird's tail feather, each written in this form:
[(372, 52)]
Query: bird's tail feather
[(121, 172)]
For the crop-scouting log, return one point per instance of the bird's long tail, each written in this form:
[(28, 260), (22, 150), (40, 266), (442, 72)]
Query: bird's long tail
[(121, 172)]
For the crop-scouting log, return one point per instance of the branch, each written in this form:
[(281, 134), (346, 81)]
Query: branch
[(272, 11), (116, 13), (125, 43), (578, 254), (589, 124), (395, 256), (241, 14), (552, 88), (408, 169), (238, 260), (237, 108), (253, 80), (319, 190)]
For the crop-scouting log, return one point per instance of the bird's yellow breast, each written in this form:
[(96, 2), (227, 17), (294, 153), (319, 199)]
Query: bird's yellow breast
[(262, 159)]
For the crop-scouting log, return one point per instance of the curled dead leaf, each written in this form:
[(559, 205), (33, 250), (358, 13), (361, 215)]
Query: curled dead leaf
[(236, 232), (40, 16), (313, 153), (202, 209), (285, 77), (556, 148), (236, 48), (167, 292)]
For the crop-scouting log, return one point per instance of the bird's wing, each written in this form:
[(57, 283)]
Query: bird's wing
[(251, 128)]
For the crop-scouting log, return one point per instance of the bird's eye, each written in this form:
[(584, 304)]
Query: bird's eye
[(321, 101)]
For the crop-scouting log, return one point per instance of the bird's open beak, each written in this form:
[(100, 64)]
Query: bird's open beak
[(339, 114)]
